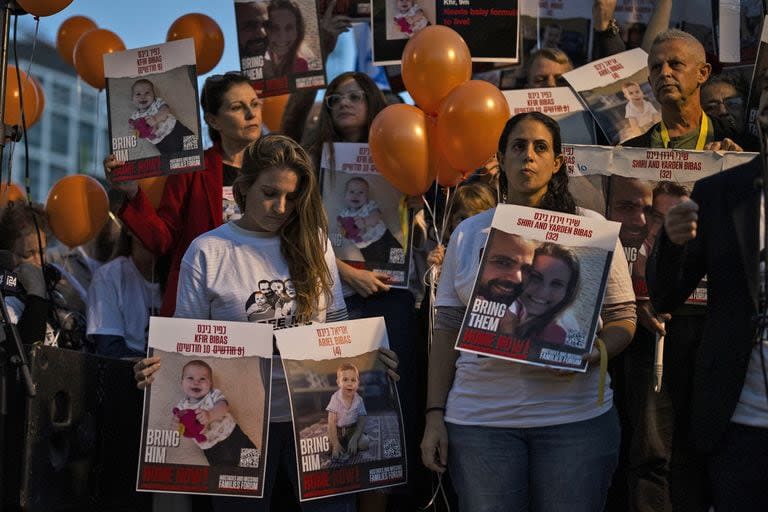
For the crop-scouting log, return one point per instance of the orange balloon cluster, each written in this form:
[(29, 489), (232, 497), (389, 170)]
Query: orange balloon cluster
[(28, 94), (463, 121), (88, 55), (208, 37), (70, 31), (78, 208), (43, 7), (400, 148)]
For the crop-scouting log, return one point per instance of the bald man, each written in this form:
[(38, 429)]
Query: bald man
[(657, 424)]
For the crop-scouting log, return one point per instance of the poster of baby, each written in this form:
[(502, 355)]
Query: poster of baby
[(153, 109), (206, 414), (369, 222), (346, 412)]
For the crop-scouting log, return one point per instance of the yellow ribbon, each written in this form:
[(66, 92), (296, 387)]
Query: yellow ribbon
[(700, 142), (603, 371)]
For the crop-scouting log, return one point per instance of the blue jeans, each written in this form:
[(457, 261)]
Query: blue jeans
[(561, 468), (281, 453)]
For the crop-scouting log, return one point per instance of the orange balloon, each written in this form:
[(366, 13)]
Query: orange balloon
[(209, 40), (11, 193), (469, 123), (153, 187), (272, 111), (400, 149), (78, 208), (435, 61), (13, 99), (89, 53), (40, 101), (439, 167), (69, 32), (43, 7)]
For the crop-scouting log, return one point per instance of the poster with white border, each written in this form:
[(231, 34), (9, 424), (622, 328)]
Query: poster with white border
[(346, 413), (206, 415), (617, 92), (153, 110), (549, 318), (641, 184), (369, 222)]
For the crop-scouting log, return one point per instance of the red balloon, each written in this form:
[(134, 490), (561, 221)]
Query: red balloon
[(435, 61), (78, 208), (13, 98), (43, 7), (89, 53), (272, 111), (469, 123), (209, 40), (69, 33), (400, 149)]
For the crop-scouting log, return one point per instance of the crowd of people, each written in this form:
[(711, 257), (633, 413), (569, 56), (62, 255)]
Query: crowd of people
[(509, 436)]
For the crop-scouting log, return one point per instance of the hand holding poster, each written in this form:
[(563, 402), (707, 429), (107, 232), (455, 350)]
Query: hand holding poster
[(369, 220), (206, 414), (153, 109), (550, 318), (641, 185), (616, 91), (279, 44), (346, 412)]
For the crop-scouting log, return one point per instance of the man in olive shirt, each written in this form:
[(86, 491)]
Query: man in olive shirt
[(663, 472)]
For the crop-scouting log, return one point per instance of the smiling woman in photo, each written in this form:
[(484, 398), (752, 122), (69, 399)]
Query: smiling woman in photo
[(285, 33)]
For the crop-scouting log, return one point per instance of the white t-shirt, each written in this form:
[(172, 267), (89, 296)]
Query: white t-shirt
[(346, 416), (495, 393), (233, 274), (120, 302), (215, 431)]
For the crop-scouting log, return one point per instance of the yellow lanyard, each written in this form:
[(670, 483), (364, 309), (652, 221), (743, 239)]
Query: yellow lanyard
[(702, 133)]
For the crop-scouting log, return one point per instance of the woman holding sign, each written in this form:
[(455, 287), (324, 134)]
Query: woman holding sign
[(280, 237), (195, 202), (551, 445)]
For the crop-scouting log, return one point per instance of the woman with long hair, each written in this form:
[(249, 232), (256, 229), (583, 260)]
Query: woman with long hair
[(549, 446), (282, 236), (550, 285), (193, 203)]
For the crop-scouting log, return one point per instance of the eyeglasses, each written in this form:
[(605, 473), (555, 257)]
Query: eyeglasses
[(729, 103), (332, 100)]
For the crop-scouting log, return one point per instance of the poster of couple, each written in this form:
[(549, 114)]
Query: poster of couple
[(547, 312), (279, 45)]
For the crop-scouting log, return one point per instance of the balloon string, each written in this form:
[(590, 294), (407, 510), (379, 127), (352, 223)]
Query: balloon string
[(34, 45), (97, 131)]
